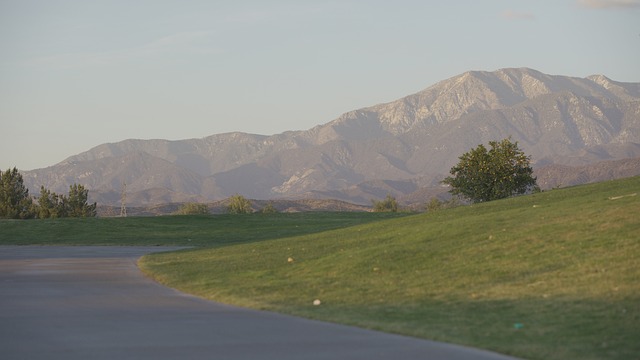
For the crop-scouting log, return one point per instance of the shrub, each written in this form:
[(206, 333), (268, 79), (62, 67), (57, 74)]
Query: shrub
[(389, 204), (269, 209), (238, 204), (193, 209)]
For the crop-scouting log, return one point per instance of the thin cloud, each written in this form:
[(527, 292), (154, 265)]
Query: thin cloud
[(609, 4), (517, 15)]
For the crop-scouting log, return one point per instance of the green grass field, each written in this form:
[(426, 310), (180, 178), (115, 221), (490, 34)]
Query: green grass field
[(197, 231), (555, 275)]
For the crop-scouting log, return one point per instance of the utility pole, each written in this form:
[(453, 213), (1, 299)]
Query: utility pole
[(123, 200)]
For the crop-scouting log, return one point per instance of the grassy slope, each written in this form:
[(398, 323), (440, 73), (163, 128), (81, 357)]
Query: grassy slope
[(554, 275)]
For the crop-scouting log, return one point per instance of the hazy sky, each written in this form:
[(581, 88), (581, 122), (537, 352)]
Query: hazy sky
[(76, 74)]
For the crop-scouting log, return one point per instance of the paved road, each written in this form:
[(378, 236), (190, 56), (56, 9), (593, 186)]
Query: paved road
[(93, 303)]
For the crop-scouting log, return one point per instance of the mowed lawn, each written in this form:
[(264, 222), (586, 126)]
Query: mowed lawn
[(554, 275), (193, 231)]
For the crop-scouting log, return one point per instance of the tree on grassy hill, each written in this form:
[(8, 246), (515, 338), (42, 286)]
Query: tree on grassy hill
[(485, 175), (15, 202), (238, 204)]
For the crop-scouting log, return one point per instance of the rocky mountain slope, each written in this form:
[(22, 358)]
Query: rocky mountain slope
[(403, 147)]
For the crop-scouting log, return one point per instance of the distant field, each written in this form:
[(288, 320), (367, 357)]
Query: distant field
[(554, 275), (198, 231)]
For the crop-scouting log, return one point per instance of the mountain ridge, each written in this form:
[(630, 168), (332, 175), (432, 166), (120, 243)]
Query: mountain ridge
[(411, 140)]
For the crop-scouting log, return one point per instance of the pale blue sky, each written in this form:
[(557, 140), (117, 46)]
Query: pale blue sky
[(76, 74)]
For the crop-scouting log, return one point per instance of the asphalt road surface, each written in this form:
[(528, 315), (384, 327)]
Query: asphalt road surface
[(93, 303)]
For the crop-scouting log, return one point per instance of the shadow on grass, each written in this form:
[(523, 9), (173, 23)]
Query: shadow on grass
[(527, 328)]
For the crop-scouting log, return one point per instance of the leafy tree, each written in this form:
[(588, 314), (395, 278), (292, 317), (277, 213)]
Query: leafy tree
[(15, 202), (193, 209), (238, 204), (75, 205), (389, 204), (485, 175)]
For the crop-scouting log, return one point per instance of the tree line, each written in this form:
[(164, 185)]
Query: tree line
[(236, 204), (16, 203)]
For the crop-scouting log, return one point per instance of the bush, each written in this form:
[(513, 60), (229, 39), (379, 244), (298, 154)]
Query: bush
[(269, 209), (389, 204), (192, 209), (435, 204), (238, 204)]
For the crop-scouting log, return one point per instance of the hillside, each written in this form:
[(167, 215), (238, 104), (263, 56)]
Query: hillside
[(546, 276), (402, 147)]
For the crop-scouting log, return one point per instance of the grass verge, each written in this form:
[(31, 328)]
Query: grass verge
[(554, 275)]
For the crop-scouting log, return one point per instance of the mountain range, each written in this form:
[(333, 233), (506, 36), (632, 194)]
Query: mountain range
[(567, 125)]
